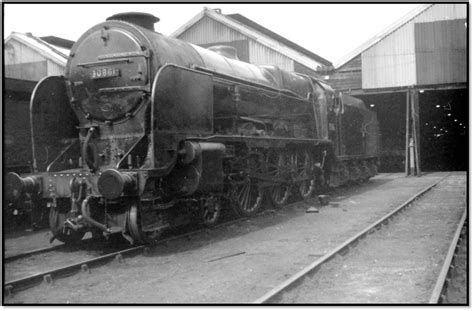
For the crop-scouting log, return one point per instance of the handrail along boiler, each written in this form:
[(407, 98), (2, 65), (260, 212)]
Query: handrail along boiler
[(169, 130)]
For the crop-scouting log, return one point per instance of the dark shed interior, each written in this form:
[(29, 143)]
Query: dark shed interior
[(443, 120)]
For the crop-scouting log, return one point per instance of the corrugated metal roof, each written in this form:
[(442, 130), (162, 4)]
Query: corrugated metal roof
[(260, 34), (53, 53), (387, 31)]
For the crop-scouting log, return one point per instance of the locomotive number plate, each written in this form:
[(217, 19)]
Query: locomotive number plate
[(107, 72)]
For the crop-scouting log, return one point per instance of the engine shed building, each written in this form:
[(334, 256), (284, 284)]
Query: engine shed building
[(27, 59), (253, 43), (414, 75)]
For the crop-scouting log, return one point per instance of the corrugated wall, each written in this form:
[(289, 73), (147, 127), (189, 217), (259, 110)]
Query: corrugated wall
[(55, 69), (24, 63), (18, 53), (33, 71), (441, 52), (261, 55), (207, 31), (392, 61)]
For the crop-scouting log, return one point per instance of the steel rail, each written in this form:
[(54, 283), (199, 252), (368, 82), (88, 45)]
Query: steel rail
[(276, 293), (43, 250), (437, 295), (33, 252)]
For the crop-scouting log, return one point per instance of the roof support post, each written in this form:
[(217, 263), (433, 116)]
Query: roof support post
[(412, 135), (416, 129), (407, 134)]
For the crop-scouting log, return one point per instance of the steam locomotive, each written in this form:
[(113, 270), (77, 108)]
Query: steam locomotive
[(146, 132)]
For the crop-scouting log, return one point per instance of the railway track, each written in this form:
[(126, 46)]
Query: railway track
[(48, 276), (118, 256), (447, 273), (277, 294)]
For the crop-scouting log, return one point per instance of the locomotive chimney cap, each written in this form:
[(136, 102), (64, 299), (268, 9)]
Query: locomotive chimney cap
[(144, 20)]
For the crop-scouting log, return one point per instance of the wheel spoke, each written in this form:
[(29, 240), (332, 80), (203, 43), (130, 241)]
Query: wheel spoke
[(245, 204), (306, 186), (280, 165), (246, 192), (242, 193)]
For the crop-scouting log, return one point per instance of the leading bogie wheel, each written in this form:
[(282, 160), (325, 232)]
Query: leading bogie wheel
[(139, 234)]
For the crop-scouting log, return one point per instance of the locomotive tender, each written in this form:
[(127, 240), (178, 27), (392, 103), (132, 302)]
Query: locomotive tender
[(168, 131)]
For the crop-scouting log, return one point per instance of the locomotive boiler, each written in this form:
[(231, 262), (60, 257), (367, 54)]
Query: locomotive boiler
[(146, 132)]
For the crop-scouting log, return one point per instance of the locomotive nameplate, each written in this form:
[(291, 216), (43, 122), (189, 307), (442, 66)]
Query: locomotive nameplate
[(108, 72)]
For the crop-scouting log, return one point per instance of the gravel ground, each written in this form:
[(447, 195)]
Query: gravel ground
[(237, 263), (18, 242), (398, 264)]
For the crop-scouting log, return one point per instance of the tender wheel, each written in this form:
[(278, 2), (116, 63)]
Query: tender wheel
[(279, 167), (56, 224), (148, 234), (303, 163), (246, 192), (212, 211)]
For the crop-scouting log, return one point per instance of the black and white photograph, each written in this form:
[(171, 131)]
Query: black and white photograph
[(235, 154)]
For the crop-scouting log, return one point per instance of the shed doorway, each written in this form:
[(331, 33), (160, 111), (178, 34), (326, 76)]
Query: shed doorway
[(444, 120), (443, 129)]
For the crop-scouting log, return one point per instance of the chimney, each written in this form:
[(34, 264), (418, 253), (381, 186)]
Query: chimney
[(144, 20)]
